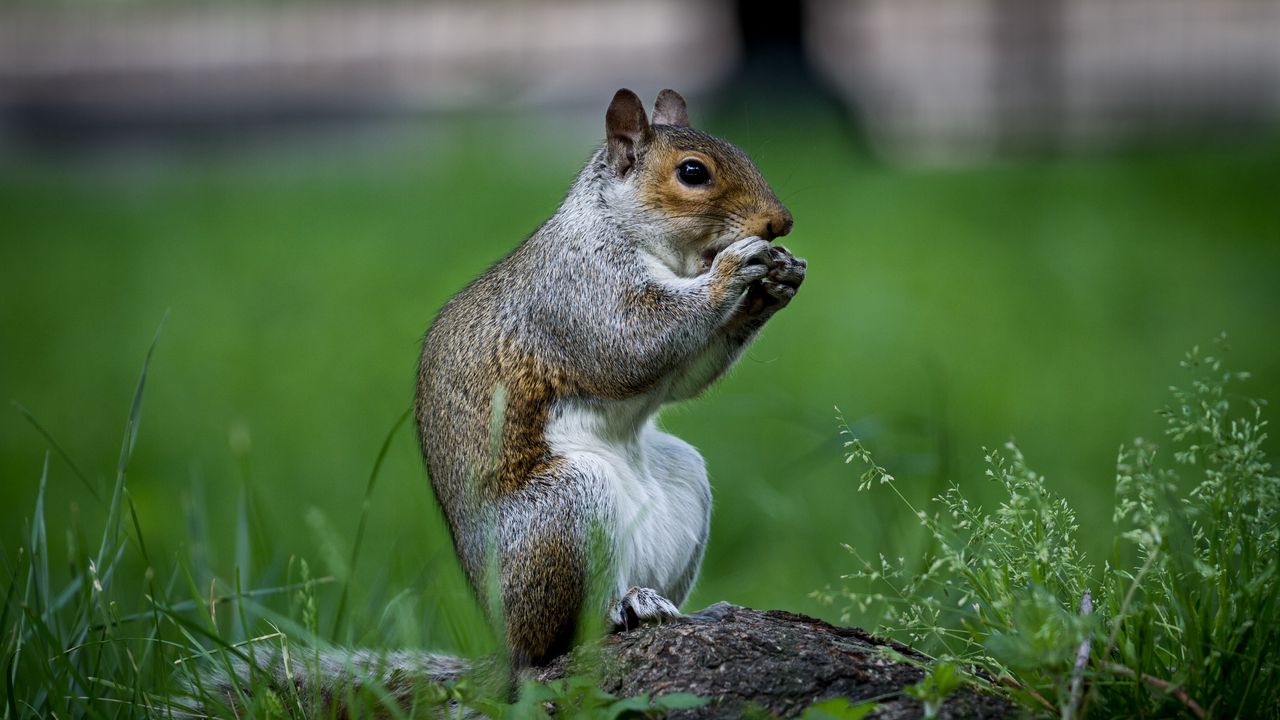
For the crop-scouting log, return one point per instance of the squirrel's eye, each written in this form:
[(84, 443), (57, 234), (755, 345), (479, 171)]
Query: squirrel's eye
[(692, 172)]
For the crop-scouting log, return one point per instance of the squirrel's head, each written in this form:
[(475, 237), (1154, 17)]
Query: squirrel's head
[(686, 193)]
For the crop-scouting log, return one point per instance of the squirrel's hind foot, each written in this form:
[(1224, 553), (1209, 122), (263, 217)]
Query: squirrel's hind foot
[(641, 606)]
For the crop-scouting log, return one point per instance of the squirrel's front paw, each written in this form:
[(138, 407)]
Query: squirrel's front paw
[(786, 273), (779, 285), (640, 606), (742, 263)]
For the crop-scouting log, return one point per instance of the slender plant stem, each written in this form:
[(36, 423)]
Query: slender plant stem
[(1014, 684), (1165, 685), (1082, 660)]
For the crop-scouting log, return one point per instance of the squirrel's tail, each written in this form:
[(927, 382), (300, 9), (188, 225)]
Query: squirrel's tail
[(331, 683)]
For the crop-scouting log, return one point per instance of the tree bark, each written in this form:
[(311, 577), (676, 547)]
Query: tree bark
[(776, 661)]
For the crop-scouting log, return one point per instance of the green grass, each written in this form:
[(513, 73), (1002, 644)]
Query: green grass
[(1180, 620), (944, 311)]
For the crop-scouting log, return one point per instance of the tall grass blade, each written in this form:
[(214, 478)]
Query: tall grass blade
[(62, 453), (242, 557), (137, 529), (112, 532), (40, 545), (364, 519), (11, 667)]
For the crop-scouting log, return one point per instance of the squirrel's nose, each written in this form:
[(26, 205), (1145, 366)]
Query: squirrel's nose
[(777, 224)]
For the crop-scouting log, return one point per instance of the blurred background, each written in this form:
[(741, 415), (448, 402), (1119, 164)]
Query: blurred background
[(1018, 215)]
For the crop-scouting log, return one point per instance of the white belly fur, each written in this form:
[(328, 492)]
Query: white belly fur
[(657, 485)]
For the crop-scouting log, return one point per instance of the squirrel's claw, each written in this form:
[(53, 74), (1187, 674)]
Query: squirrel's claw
[(778, 290), (641, 606)]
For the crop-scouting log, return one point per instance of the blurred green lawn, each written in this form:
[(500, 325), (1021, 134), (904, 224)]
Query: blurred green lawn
[(945, 310)]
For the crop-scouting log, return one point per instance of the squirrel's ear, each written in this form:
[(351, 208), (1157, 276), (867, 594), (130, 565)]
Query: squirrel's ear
[(669, 109), (626, 130)]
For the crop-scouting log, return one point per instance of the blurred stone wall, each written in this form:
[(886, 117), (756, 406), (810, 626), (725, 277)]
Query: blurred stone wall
[(164, 61), (955, 80)]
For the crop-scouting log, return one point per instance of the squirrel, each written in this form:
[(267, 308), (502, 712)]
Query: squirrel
[(539, 383), (642, 289)]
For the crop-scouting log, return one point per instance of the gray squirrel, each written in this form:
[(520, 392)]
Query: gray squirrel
[(642, 289), (540, 381)]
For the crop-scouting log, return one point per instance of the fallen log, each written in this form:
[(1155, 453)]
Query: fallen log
[(775, 661), (741, 661)]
